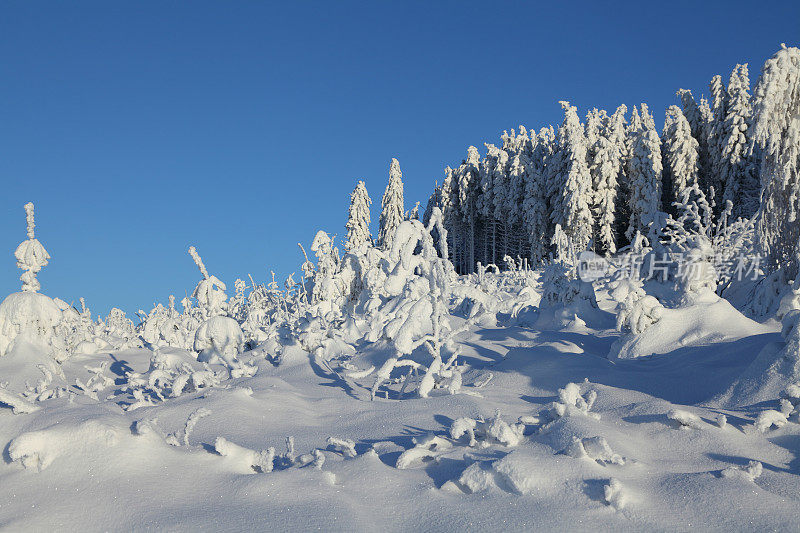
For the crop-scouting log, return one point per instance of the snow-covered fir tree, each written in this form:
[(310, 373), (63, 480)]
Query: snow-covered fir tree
[(535, 205), (777, 132), (358, 218), (692, 112), (518, 147), (605, 169), (738, 173), (392, 206), (31, 255), (644, 175), (680, 154), (715, 133), (468, 174), (571, 183)]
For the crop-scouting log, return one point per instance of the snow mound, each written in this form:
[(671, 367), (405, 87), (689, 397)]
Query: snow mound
[(37, 450), (695, 325)]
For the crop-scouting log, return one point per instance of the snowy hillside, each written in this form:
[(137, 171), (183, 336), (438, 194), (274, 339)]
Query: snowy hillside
[(450, 374)]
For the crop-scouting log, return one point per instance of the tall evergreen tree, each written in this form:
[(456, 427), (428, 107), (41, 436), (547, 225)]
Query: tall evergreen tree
[(644, 176), (535, 204), (680, 156), (520, 152), (358, 218), (571, 185), (777, 131), (605, 169), (468, 174), (737, 168), (715, 133), (692, 112), (392, 208)]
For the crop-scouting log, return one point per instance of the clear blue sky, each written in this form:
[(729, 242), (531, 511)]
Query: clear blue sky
[(139, 128)]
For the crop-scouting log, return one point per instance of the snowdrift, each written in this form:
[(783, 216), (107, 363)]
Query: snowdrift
[(696, 325)]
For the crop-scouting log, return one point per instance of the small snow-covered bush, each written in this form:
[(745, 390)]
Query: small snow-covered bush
[(422, 452), (572, 402), (685, 419), (219, 340), (594, 448), (245, 460), (767, 419), (638, 312), (750, 471)]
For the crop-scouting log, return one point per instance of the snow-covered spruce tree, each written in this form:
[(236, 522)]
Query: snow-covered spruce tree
[(605, 169), (535, 204), (325, 292), (716, 134), (31, 255), (28, 314), (518, 170), (491, 201), (595, 124), (502, 191), (450, 214), (680, 157), (738, 173), (571, 183), (358, 218), (777, 131), (468, 175), (692, 113), (392, 206), (644, 175), (705, 161)]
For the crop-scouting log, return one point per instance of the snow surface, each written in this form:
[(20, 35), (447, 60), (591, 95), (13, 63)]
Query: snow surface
[(546, 433)]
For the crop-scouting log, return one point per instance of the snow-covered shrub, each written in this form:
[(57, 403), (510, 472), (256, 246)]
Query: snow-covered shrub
[(245, 460), (28, 315), (118, 330), (750, 471), (685, 419), (210, 291), (768, 418), (344, 446), (790, 301), (638, 312), (483, 433), (571, 402), (326, 292), (219, 340), (426, 450), (594, 448), (17, 404)]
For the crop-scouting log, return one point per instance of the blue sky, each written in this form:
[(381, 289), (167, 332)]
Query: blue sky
[(140, 128)]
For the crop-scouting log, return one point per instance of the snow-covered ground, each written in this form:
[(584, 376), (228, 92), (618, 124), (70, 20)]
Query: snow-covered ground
[(545, 433)]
